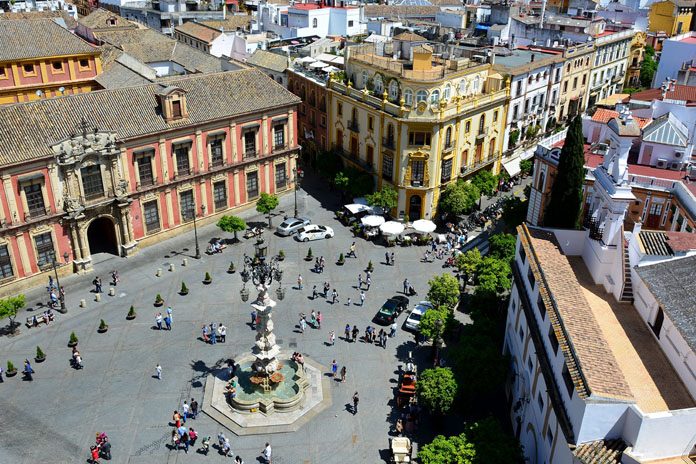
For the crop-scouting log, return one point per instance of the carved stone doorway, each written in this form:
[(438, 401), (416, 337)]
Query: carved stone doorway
[(101, 236), (415, 207)]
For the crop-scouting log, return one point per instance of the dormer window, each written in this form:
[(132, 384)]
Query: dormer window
[(111, 21), (172, 103)]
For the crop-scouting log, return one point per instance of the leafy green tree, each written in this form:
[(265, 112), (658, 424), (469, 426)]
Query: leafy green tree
[(514, 212), (459, 198), (514, 137), (341, 181), (502, 246), (493, 275), (429, 326), (526, 167), (648, 67), (444, 291), (328, 163), (448, 450), (266, 204), (485, 181), (232, 224), (387, 198), (467, 263), (360, 183), (10, 306), (565, 204), (437, 389)]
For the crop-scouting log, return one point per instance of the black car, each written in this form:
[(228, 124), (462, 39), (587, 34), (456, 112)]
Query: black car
[(391, 309)]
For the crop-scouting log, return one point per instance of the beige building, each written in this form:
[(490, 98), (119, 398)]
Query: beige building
[(418, 118), (576, 76)]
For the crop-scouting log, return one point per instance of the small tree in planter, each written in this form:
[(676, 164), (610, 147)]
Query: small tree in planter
[(370, 267), (207, 279), (159, 301), (103, 326), (73, 340), (40, 355), (309, 256), (341, 260), (11, 369), (281, 255), (184, 289), (231, 269), (131, 313)]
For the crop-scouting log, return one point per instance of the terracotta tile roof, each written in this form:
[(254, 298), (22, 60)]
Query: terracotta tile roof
[(268, 60), (588, 357), (400, 11), (133, 111), (41, 38), (101, 19), (56, 15), (685, 93), (410, 37), (654, 243), (230, 24), (604, 115), (681, 241), (199, 31), (600, 452)]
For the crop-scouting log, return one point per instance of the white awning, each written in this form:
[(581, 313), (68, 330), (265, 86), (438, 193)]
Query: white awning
[(512, 167), (318, 64)]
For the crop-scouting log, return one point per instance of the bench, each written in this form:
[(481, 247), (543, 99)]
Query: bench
[(39, 319)]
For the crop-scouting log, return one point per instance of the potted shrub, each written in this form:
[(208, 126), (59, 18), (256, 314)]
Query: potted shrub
[(341, 260), (11, 369), (73, 340), (103, 327), (231, 269), (281, 255), (309, 256), (207, 279), (40, 355), (357, 230), (131, 313), (370, 267), (159, 301), (184, 289)]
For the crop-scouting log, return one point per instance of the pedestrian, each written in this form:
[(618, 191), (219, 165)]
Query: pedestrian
[(114, 278), (221, 439), (158, 370), (356, 400), (407, 284), (332, 341), (185, 408), (194, 409), (392, 258), (168, 322), (360, 281), (334, 296), (327, 287), (299, 282), (1, 380), (193, 436), (314, 292), (105, 449), (392, 330), (319, 318), (303, 323), (97, 284), (238, 460), (362, 298), (386, 257), (369, 282), (176, 418), (170, 314), (253, 319), (343, 374), (205, 334), (227, 448), (158, 321), (384, 340), (28, 371), (352, 250), (266, 454), (349, 302), (347, 332), (94, 452), (222, 333), (334, 368), (213, 334), (185, 440), (355, 332)]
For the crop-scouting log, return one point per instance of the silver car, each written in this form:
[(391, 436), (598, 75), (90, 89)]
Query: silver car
[(413, 319), (291, 225)]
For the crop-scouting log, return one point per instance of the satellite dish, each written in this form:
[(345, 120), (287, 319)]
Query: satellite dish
[(39, 93)]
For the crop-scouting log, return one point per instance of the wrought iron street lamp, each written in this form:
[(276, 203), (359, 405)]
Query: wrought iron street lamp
[(195, 229), (298, 174), (61, 296), (260, 271)]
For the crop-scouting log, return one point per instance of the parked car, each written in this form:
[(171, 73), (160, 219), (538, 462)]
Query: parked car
[(291, 225), (313, 232), (391, 309), (414, 317)]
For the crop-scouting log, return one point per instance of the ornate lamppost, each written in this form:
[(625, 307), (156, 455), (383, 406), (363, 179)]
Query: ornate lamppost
[(195, 229), (298, 174), (260, 271), (61, 297)]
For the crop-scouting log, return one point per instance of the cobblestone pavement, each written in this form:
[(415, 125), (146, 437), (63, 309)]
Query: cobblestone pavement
[(54, 418)]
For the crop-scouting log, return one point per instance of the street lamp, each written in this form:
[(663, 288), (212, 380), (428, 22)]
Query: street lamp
[(437, 344), (61, 297), (298, 174), (260, 271), (195, 230)]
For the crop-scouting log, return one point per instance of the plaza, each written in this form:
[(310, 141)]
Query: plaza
[(55, 417)]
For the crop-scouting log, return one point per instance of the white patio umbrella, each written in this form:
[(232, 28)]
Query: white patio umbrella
[(372, 221), (318, 64), (391, 228), (330, 69), (307, 59), (424, 226)]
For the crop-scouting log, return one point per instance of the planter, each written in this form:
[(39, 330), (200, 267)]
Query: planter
[(72, 344), (130, 317), (308, 258), (40, 360), (186, 293), (159, 303), (11, 373), (207, 282), (102, 330), (340, 263)]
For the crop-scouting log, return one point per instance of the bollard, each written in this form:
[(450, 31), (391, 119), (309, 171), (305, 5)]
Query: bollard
[(112, 291), (83, 303), (171, 267), (184, 262), (97, 297), (159, 272)]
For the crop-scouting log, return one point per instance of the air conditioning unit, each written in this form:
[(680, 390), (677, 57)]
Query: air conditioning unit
[(661, 163), (679, 154), (674, 166)]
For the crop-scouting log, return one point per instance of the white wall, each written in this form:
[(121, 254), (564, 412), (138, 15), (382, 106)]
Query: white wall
[(660, 435), (222, 45), (674, 53), (451, 19), (572, 241)]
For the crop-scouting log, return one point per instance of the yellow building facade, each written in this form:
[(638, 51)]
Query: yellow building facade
[(575, 80), (671, 16), (418, 123)]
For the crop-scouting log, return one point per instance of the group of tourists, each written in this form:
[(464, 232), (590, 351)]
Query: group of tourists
[(213, 332)]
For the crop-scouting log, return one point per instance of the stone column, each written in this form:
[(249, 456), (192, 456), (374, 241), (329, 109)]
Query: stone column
[(77, 252), (233, 141), (199, 150), (163, 174), (170, 210), (9, 193)]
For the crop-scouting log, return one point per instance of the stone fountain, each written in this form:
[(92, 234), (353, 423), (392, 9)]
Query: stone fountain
[(272, 392)]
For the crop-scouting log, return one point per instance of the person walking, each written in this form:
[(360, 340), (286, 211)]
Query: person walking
[(253, 319), (334, 296), (97, 284), (356, 400), (319, 318), (303, 323), (355, 332), (314, 292), (105, 449), (349, 302), (170, 313), (158, 371), (343, 374), (158, 321), (222, 333), (346, 332), (168, 322), (115, 278), (360, 281), (94, 453), (194, 409), (392, 258), (299, 282), (352, 250), (332, 341), (334, 368), (386, 257), (407, 285), (266, 454), (1, 371), (185, 408), (383, 339), (392, 330), (193, 436), (362, 298), (213, 334), (327, 287)]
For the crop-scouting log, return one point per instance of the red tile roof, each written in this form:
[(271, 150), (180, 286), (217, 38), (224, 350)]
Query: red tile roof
[(681, 241), (604, 115), (685, 93)]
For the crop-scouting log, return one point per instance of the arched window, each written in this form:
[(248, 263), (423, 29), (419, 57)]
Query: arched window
[(463, 87), (354, 115), (448, 137), (408, 97), (390, 135), (477, 84), (447, 94), (421, 96), (379, 85), (435, 97), (364, 79), (315, 23), (482, 124), (393, 90)]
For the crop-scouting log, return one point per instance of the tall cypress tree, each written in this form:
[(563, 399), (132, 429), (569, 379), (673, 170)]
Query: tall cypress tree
[(563, 210)]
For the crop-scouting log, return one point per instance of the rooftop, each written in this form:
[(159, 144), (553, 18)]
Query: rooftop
[(600, 452), (56, 15), (229, 24), (133, 111), (686, 93), (41, 38), (673, 285), (269, 60), (200, 32), (617, 354), (666, 243), (604, 115), (400, 11), (520, 61), (104, 19)]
